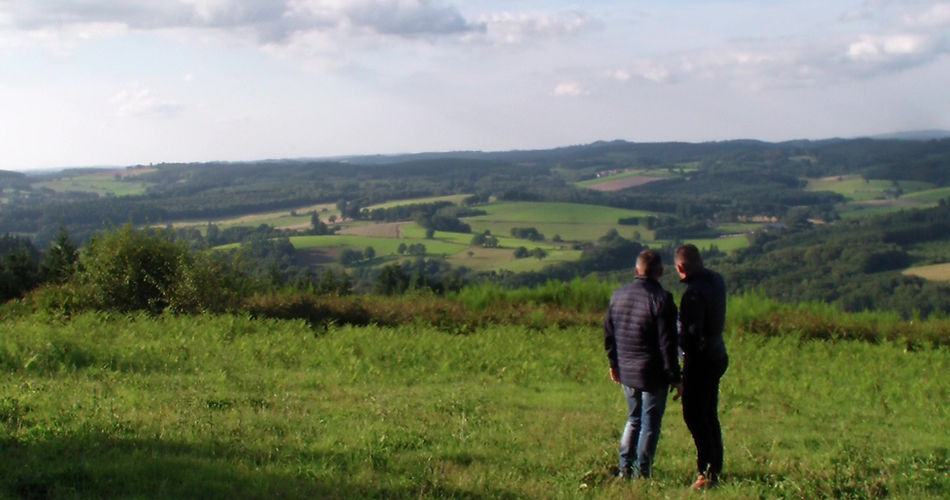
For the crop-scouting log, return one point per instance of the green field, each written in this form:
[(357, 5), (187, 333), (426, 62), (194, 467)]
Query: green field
[(929, 195), (634, 172), (99, 183), (726, 244), (453, 198), (857, 188), (572, 221), (281, 219), (383, 246), (934, 272), (229, 407)]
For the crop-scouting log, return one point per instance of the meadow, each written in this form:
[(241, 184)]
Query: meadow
[(570, 221), (857, 188), (100, 183), (107, 405)]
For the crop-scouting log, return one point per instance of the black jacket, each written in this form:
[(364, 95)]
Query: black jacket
[(702, 317), (640, 335)]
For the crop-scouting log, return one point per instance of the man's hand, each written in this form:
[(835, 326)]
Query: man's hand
[(679, 390), (614, 375)]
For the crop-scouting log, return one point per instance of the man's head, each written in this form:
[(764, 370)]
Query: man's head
[(649, 264), (687, 260)]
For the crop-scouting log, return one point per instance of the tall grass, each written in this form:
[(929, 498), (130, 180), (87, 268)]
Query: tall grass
[(235, 407), (580, 294)]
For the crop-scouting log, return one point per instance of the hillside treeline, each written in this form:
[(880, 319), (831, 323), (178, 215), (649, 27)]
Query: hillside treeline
[(710, 180)]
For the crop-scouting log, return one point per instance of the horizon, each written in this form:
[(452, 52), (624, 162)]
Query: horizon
[(226, 80), (943, 134)]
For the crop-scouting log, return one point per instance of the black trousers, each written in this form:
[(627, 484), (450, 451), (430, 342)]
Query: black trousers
[(701, 411)]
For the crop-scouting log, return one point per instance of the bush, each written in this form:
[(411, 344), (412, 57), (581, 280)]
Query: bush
[(128, 270)]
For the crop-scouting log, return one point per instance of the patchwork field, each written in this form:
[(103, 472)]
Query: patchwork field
[(571, 221)]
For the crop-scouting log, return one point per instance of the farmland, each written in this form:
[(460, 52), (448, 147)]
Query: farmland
[(857, 188), (934, 272), (627, 178), (572, 222), (233, 407), (100, 183)]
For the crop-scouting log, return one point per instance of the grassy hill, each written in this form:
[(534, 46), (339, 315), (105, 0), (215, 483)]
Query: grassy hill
[(234, 407)]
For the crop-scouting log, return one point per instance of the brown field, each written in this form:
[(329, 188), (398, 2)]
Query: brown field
[(935, 272), (385, 230), (624, 183)]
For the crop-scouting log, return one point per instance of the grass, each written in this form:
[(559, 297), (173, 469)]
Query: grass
[(383, 246), (453, 198), (857, 188), (725, 244), (572, 221), (279, 219), (99, 183), (230, 407), (636, 172), (929, 195), (934, 272)]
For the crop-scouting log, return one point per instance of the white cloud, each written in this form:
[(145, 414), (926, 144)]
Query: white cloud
[(570, 89), (620, 75), (514, 28), (269, 20), (140, 102), (937, 16), (871, 48)]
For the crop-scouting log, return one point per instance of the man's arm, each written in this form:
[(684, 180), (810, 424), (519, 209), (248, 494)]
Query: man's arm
[(692, 335), (610, 345), (666, 325)]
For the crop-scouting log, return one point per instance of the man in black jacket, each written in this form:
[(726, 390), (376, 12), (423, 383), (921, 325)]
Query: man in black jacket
[(640, 339), (701, 319)]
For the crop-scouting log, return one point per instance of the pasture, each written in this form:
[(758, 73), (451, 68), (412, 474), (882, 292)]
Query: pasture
[(572, 221), (856, 188), (100, 183), (231, 407), (281, 219), (452, 198)]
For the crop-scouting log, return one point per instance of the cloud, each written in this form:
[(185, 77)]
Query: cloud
[(937, 16), (269, 21), (140, 102), (900, 36), (514, 28), (570, 89)]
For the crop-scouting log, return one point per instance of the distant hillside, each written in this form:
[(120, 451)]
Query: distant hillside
[(914, 135)]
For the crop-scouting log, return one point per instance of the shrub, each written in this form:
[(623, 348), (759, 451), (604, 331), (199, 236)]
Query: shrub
[(128, 270)]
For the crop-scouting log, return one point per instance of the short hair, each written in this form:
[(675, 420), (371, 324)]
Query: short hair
[(689, 255), (650, 263)]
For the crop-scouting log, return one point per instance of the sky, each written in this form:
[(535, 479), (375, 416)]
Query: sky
[(122, 82)]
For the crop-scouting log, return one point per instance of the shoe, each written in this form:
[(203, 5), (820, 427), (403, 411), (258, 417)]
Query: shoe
[(624, 475), (704, 483)]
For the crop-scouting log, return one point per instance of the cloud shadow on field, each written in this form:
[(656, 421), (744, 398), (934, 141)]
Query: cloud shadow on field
[(102, 466)]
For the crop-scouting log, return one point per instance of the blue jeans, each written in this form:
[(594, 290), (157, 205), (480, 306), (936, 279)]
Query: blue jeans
[(642, 431)]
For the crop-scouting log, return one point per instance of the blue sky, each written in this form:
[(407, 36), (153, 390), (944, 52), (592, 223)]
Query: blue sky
[(119, 82)]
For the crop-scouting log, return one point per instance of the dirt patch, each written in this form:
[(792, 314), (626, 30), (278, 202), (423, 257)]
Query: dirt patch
[(625, 183), (385, 230)]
